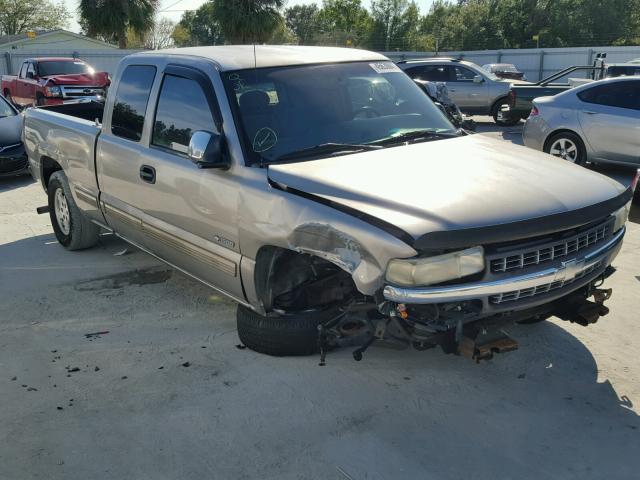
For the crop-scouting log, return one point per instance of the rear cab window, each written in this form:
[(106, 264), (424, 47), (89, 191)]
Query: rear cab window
[(131, 101)]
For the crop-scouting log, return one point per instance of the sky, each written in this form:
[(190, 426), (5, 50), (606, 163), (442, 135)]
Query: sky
[(173, 9)]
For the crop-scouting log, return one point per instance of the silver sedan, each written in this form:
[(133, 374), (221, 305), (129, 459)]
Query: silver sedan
[(597, 122)]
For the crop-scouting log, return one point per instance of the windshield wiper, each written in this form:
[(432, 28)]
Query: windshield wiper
[(415, 135), (323, 149)]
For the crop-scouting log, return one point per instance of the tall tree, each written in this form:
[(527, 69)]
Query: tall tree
[(344, 22), (248, 21), (386, 16), (160, 36), (112, 19), (303, 21), (199, 27), (19, 16)]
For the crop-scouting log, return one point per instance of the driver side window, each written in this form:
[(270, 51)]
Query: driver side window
[(182, 110), (23, 70)]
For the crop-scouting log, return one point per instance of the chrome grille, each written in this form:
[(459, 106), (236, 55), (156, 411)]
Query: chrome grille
[(74, 92), (551, 251), (540, 289)]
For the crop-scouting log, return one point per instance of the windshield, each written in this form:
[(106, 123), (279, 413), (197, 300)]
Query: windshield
[(48, 68), (286, 110), (5, 109), (505, 67)]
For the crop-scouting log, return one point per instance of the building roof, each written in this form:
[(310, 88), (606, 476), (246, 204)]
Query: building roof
[(41, 35), (238, 57)]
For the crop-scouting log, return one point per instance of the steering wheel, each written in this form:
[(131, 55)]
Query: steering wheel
[(366, 112)]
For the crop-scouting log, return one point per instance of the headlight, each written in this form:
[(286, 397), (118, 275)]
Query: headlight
[(53, 91), (621, 216), (430, 270)]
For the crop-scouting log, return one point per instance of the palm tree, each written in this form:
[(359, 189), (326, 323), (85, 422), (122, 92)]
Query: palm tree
[(111, 19), (248, 21)]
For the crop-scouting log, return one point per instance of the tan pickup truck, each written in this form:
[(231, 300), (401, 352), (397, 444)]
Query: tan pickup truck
[(323, 191)]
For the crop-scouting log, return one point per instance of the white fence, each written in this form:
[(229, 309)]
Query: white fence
[(536, 63), (101, 60)]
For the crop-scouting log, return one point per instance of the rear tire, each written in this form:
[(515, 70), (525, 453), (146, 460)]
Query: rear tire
[(496, 114), (287, 335), (568, 146), (73, 230)]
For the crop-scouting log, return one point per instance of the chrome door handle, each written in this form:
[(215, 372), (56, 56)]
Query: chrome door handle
[(589, 112)]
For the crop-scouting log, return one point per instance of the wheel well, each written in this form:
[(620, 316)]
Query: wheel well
[(292, 281), (561, 130), (48, 166)]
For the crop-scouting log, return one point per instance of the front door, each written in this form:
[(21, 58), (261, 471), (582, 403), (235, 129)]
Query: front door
[(609, 115), (468, 95)]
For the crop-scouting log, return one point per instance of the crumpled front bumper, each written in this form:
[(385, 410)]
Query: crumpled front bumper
[(593, 262)]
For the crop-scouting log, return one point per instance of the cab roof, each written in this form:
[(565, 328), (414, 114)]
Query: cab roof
[(238, 57)]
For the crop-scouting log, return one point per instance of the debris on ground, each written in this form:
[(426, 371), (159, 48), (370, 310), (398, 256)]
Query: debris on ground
[(73, 369), (240, 346), (186, 364), (95, 334), (121, 252), (14, 378), (59, 407), (97, 369), (522, 375), (124, 377)]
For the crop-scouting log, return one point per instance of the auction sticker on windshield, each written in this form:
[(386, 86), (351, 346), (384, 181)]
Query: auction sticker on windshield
[(385, 67)]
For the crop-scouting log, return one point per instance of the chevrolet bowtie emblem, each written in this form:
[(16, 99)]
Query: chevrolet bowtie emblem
[(569, 270)]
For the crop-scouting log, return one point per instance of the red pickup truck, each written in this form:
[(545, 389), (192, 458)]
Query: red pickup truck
[(53, 81)]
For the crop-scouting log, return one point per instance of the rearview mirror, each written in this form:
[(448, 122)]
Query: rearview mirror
[(205, 150), (478, 79)]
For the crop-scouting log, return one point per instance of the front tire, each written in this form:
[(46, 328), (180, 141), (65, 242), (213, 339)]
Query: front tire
[(286, 335), (568, 146), (72, 229)]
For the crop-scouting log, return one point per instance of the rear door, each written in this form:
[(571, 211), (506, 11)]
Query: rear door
[(469, 96), (609, 116), (120, 149)]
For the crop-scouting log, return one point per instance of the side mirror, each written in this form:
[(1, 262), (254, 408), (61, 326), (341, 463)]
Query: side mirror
[(205, 150), (478, 79)]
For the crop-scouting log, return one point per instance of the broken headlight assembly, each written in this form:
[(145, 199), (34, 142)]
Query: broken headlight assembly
[(414, 272), (621, 215)]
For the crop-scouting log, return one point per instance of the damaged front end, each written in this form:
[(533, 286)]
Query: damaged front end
[(520, 283)]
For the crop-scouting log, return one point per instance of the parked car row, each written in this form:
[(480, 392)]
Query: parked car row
[(322, 190)]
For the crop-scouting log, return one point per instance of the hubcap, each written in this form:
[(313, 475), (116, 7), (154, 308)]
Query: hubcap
[(62, 211), (565, 149)]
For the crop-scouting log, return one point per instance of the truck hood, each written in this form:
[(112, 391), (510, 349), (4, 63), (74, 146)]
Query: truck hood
[(453, 184), (10, 129), (98, 79)]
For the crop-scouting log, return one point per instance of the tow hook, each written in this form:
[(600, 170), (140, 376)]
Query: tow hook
[(587, 312), (485, 344)]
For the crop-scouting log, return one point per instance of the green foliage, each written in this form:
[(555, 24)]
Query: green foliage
[(248, 21), (112, 19), (199, 27), (19, 16), (398, 24)]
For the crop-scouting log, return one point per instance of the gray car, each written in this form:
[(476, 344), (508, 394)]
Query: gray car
[(475, 90), (598, 122), (322, 190)]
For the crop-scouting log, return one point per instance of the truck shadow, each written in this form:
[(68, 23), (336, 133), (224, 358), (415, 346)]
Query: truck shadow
[(11, 182)]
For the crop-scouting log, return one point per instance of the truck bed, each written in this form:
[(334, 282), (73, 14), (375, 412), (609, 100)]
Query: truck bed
[(71, 141)]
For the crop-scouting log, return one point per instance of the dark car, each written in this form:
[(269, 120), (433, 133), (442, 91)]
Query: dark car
[(505, 70), (13, 159)]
